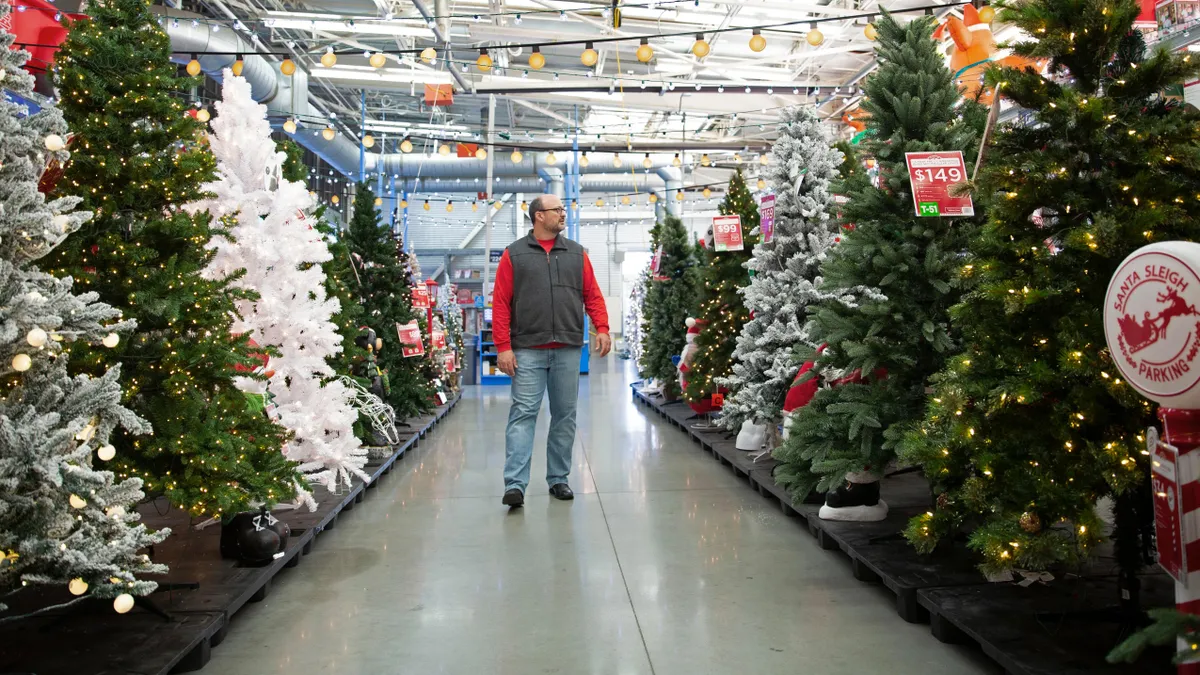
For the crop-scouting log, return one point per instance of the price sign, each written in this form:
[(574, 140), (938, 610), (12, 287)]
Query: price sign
[(495, 255), (933, 176), (727, 233), (657, 262), (439, 339), (766, 218), (451, 366), (410, 339), (1168, 507), (420, 297)]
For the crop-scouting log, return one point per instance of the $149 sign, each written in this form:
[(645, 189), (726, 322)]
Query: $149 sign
[(933, 175)]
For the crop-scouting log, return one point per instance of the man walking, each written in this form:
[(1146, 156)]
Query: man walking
[(543, 285)]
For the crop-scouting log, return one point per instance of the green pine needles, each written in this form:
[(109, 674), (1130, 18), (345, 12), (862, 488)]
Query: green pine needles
[(386, 294), (1032, 424), (892, 271), (669, 301), (136, 160), (720, 307)]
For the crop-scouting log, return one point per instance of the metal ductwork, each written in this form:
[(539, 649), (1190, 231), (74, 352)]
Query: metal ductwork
[(597, 183), (401, 165), (284, 96)]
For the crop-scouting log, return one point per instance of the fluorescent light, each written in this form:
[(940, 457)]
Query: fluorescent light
[(365, 74), (359, 27)]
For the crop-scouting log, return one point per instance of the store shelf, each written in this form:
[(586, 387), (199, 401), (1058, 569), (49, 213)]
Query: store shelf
[(495, 379)]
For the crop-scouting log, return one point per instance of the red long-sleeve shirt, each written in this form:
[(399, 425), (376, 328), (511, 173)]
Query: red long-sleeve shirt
[(593, 301)]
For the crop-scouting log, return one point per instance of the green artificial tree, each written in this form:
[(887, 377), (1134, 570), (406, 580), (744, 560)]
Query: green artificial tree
[(720, 310), (886, 331), (136, 160), (386, 293), (1031, 425), (669, 301), (342, 282)]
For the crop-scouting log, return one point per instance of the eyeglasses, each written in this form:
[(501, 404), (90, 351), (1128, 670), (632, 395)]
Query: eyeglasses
[(561, 209)]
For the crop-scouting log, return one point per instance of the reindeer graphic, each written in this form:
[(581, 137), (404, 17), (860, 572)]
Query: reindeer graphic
[(1154, 328), (1176, 306)]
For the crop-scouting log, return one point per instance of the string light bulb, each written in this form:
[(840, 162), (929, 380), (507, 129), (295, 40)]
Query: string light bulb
[(193, 66), (676, 162), (737, 159), (335, 199), (700, 47), (625, 200), (516, 156), (653, 197), (484, 62), (762, 184), (707, 193), (239, 64), (679, 195), (290, 126), (616, 160), (328, 133), (444, 149), (551, 158), (449, 206), (202, 115), (287, 67), (406, 145), (475, 205), (524, 205), (589, 57), (871, 32), (704, 160), (646, 162), (583, 160), (645, 53), (815, 37), (403, 203), (378, 60), (599, 201), (368, 141), (426, 206), (536, 60), (764, 159), (480, 153), (987, 14), (329, 59), (757, 41)]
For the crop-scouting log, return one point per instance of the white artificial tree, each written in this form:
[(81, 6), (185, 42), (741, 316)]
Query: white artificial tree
[(785, 271), (631, 332), (64, 521), (280, 251)]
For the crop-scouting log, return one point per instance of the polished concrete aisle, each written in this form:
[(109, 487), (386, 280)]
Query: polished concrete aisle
[(665, 563)]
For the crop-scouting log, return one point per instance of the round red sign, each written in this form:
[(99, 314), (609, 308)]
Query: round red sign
[(1152, 324)]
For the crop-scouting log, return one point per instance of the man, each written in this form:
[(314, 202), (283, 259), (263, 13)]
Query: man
[(543, 285)]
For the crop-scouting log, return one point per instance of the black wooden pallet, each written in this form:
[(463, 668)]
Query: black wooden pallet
[(92, 639), (878, 554)]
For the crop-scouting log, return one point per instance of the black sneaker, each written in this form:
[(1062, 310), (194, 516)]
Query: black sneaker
[(853, 494), (562, 491), (514, 498)]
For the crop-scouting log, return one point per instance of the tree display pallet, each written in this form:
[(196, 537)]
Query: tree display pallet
[(197, 598), (945, 588)]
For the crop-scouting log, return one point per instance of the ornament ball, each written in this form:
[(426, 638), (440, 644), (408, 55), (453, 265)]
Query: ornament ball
[(21, 363), (106, 452), (36, 337), (77, 586), (1030, 522), (77, 502), (123, 603), (111, 340), (54, 143)]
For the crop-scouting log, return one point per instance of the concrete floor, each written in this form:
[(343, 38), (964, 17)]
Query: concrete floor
[(664, 564)]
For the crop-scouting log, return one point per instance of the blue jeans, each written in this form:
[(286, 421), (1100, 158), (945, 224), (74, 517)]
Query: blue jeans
[(539, 370)]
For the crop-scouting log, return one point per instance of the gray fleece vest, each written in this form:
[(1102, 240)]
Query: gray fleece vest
[(547, 302)]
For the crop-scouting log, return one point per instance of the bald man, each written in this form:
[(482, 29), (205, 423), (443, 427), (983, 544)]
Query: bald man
[(544, 284)]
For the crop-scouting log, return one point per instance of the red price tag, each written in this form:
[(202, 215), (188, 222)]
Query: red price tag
[(410, 339), (657, 262), (450, 364), (420, 297), (766, 217), (1168, 505), (727, 233), (933, 175), (439, 339)]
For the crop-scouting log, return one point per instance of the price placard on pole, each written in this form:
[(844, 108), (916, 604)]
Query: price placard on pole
[(410, 339), (933, 175), (1168, 507), (439, 339), (766, 218), (420, 297), (727, 233)]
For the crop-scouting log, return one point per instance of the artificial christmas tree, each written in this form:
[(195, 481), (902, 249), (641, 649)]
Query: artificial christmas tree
[(136, 161), (882, 347), (64, 521), (631, 325), (386, 293), (668, 302), (786, 272), (720, 308), (279, 254), (1032, 425)]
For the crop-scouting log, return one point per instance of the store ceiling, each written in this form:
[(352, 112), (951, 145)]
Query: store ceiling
[(675, 97)]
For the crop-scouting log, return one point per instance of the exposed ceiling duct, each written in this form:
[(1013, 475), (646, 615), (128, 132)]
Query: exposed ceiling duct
[(598, 183)]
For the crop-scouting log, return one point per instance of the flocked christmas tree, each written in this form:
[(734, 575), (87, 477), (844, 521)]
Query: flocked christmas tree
[(144, 255), (884, 346), (279, 251), (65, 520), (669, 301), (387, 296), (1032, 425), (720, 309), (786, 271)]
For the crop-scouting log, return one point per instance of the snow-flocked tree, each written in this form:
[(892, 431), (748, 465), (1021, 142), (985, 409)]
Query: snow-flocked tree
[(276, 243), (64, 521), (786, 271)]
